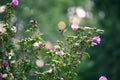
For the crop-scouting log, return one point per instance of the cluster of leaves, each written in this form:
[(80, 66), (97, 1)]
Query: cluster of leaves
[(17, 59)]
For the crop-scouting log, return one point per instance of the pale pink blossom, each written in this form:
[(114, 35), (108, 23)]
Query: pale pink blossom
[(14, 3), (38, 44), (102, 78), (56, 47), (93, 44), (81, 52), (60, 53), (49, 71), (100, 31), (96, 39), (75, 37), (74, 27)]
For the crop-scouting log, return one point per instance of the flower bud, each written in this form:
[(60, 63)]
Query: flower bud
[(35, 72), (1, 75), (4, 64), (100, 31)]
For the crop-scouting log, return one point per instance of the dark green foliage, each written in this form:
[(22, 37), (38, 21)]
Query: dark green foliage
[(107, 56)]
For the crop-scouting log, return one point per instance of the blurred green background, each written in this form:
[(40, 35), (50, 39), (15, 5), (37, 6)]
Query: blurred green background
[(104, 14)]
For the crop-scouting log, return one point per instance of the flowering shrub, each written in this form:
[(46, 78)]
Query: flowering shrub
[(18, 63)]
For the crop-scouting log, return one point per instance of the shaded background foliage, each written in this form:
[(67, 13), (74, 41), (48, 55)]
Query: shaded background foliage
[(105, 14), (108, 55)]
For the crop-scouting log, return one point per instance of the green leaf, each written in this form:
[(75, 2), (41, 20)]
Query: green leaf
[(87, 54)]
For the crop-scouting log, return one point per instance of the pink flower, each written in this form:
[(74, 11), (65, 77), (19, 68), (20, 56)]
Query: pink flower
[(74, 27), (60, 53), (14, 3), (56, 47), (96, 39), (81, 52), (102, 78)]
